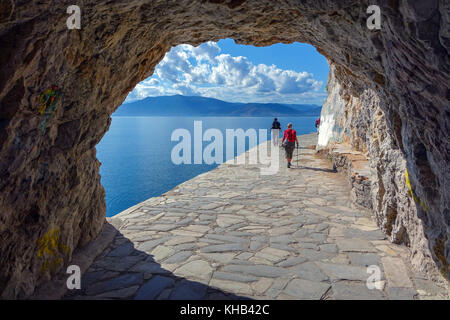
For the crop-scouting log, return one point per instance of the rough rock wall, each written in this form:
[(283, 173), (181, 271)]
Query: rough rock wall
[(360, 124), (51, 199)]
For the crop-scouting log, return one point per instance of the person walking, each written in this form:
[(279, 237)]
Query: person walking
[(317, 125), (276, 127), (289, 140)]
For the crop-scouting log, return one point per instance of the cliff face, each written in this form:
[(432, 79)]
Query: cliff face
[(58, 88), (354, 129)]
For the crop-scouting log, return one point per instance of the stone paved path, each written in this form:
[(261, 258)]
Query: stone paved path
[(234, 234)]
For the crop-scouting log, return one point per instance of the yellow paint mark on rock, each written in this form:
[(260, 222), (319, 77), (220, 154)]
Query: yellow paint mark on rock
[(411, 192), (49, 248)]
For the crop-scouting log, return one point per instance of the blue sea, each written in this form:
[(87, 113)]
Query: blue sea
[(136, 154)]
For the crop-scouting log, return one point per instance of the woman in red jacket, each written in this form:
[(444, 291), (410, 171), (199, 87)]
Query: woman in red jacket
[(291, 138)]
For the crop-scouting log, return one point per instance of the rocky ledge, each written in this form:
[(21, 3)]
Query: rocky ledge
[(356, 166)]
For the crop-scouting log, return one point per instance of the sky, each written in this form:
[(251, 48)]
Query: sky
[(282, 73)]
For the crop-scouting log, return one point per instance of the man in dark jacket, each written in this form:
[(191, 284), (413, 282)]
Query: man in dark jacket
[(276, 126)]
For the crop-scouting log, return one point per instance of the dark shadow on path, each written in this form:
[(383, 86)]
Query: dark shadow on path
[(313, 169), (125, 273)]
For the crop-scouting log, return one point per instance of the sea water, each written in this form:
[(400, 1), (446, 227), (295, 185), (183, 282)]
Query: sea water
[(136, 154)]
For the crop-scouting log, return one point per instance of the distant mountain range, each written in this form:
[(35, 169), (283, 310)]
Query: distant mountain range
[(178, 105)]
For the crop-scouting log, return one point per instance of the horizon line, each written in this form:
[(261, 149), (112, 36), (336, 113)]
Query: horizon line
[(181, 95)]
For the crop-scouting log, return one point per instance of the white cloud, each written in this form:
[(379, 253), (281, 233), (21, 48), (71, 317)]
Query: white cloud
[(204, 71), (206, 51)]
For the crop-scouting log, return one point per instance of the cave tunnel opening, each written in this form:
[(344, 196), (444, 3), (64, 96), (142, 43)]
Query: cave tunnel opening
[(50, 186), (222, 85)]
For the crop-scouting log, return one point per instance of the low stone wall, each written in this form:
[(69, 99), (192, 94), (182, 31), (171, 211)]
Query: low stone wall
[(356, 166)]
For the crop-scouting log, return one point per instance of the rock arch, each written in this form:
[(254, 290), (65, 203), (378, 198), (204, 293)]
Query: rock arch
[(51, 198)]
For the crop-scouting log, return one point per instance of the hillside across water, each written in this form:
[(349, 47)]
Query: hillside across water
[(178, 105)]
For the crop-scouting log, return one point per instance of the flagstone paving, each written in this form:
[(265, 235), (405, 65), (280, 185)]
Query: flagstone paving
[(233, 233)]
